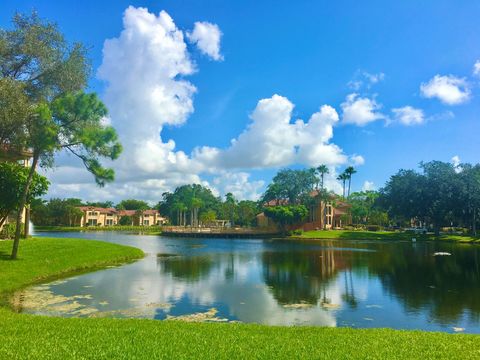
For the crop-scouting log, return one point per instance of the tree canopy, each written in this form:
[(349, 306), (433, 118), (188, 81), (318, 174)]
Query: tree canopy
[(12, 182), (132, 204), (186, 204), (51, 74), (439, 195), (57, 212), (286, 215), (292, 186)]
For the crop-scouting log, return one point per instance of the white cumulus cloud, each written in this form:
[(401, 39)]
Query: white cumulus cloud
[(476, 68), (360, 110), (456, 163), (448, 89), (273, 140), (368, 186), (239, 184), (207, 38), (146, 69), (409, 115), (357, 160)]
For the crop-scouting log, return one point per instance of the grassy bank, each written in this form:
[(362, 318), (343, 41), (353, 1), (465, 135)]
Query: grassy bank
[(36, 337), (380, 235), (45, 258), (44, 338), (143, 229)]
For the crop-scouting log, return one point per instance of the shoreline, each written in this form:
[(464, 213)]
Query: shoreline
[(360, 235)]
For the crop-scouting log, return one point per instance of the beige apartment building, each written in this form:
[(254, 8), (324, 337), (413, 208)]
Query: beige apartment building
[(332, 214), (96, 216), (328, 215)]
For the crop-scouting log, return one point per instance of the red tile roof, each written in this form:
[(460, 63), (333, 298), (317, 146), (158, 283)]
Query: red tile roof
[(276, 202), (117, 212)]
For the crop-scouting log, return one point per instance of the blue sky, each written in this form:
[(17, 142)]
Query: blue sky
[(310, 52)]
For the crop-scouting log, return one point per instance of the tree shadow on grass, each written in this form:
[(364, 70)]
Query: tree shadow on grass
[(4, 255)]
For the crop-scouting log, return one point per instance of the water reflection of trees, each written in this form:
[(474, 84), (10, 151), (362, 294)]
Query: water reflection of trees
[(445, 285), (302, 276), (187, 268)]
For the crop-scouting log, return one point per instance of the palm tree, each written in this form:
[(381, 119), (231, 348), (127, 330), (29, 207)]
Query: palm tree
[(180, 208), (231, 203), (196, 205), (349, 171), (322, 170), (343, 177)]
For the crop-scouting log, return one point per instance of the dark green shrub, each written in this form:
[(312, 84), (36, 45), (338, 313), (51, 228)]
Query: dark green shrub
[(8, 231), (373, 228)]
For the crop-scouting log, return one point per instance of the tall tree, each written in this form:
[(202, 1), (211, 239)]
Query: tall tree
[(196, 204), (231, 204), (273, 193), (132, 204), (51, 73), (322, 170), (434, 196), (101, 204), (403, 196), (247, 212), (468, 204), (343, 177), (15, 110), (291, 186), (64, 212), (349, 171), (205, 201)]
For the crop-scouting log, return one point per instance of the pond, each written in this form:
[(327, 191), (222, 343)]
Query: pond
[(361, 284)]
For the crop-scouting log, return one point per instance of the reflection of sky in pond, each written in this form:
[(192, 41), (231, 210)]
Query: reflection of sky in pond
[(327, 283)]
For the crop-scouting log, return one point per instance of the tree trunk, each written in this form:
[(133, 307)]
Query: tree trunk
[(23, 201), (474, 224), (349, 183), (27, 221)]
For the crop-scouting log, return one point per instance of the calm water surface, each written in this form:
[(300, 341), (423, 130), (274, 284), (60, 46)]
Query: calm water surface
[(329, 283)]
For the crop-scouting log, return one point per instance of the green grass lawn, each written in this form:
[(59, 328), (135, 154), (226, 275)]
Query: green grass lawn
[(379, 235), (37, 337)]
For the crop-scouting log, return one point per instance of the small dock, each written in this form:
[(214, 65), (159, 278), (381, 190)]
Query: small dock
[(180, 231)]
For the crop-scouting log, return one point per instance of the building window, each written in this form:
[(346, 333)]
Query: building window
[(109, 222), (92, 222), (145, 222)]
